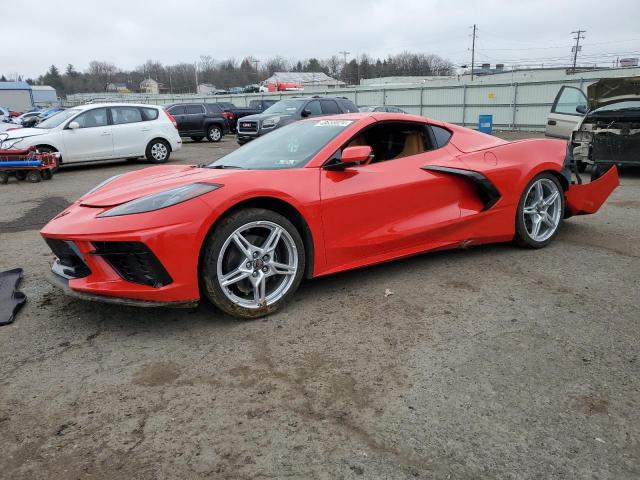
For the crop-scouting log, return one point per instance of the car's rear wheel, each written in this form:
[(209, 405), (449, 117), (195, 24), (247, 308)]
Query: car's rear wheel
[(540, 211), (253, 262), (158, 151), (197, 139), (214, 134)]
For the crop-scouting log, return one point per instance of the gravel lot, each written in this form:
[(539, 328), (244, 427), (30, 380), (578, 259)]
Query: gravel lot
[(494, 362)]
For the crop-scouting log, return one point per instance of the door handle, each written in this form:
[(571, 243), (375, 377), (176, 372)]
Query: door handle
[(147, 129), (551, 122), (106, 134)]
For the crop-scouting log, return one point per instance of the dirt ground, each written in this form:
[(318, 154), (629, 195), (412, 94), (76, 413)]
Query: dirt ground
[(493, 362)]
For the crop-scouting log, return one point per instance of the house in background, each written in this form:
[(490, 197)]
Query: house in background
[(16, 96), (150, 86), (117, 88), (318, 79)]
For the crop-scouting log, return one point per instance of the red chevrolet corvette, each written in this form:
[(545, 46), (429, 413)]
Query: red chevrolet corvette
[(315, 197)]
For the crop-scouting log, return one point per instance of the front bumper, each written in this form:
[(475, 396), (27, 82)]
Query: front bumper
[(63, 283), (162, 268)]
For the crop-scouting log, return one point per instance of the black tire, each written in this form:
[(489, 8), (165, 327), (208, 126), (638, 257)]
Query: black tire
[(158, 151), (47, 174), (21, 176), (4, 178), (213, 245), (197, 139), (599, 169), (214, 133), (522, 236), (34, 176)]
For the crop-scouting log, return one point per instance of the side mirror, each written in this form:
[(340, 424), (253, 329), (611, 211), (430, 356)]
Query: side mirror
[(351, 155), (73, 125), (305, 113), (582, 109)]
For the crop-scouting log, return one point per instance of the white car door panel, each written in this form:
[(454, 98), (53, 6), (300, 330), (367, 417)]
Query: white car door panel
[(564, 118), (92, 140), (129, 131)]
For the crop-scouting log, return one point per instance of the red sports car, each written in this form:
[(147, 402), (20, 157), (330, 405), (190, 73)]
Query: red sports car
[(316, 197)]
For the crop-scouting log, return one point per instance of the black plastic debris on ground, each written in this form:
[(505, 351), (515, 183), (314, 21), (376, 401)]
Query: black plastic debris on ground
[(10, 299)]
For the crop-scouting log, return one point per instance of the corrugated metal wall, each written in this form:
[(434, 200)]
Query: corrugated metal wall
[(514, 106)]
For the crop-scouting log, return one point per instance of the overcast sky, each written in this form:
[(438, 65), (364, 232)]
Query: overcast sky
[(38, 33)]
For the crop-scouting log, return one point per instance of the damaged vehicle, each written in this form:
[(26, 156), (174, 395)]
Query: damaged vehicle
[(313, 198), (607, 126)]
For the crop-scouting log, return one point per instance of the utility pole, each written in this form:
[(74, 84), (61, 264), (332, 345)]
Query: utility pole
[(344, 70), (579, 36), (255, 63), (195, 64), (473, 50)]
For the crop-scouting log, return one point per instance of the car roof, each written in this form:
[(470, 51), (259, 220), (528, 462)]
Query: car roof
[(90, 106)]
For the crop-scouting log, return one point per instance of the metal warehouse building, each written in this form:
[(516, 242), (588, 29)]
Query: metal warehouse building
[(44, 95), (16, 96)]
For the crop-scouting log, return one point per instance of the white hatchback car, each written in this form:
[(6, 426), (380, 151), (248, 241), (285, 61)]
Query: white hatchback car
[(102, 132)]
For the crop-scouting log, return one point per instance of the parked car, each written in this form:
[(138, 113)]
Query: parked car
[(102, 132), (603, 126), (288, 111), (5, 115), (199, 120), (43, 115), (236, 90), (382, 108), (21, 119), (234, 113), (316, 197), (251, 88)]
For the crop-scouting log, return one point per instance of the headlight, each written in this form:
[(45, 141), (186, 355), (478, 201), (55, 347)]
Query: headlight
[(270, 122), (159, 200), (100, 185), (582, 136), (8, 144)]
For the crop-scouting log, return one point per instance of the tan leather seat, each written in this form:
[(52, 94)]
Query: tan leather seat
[(413, 145)]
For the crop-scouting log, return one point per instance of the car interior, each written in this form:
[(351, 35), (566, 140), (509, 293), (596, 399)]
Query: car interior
[(390, 141)]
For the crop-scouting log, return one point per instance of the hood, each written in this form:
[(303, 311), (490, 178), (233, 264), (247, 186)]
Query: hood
[(613, 90), (26, 132), (260, 117), (150, 180)]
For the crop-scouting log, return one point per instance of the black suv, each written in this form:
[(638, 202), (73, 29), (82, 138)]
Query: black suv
[(288, 111), (199, 120)]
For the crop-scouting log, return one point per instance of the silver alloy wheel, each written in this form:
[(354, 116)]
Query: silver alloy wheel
[(542, 209), (215, 134), (257, 264), (159, 151)]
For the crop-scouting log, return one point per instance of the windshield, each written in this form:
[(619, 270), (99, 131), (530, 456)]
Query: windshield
[(288, 147), (57, 118), (287, 107), (628, 105)]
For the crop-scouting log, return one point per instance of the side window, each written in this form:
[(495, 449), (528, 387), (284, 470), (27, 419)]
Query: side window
[(393, 140), (194, 109), (121, 115), (567, 100), (442, 135), (177, 110), (213, 108), (149, 113), (92, 118), (314, 107), (329, 107)]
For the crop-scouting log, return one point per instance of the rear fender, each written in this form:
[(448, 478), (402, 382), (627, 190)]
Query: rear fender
[(587, 198)]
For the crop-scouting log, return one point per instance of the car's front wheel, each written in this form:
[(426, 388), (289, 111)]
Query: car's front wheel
[(158, 151), (540, 211), (252, 263), (214, 134)]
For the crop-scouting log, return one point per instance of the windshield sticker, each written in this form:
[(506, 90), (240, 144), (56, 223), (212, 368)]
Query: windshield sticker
[(334, 123)]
